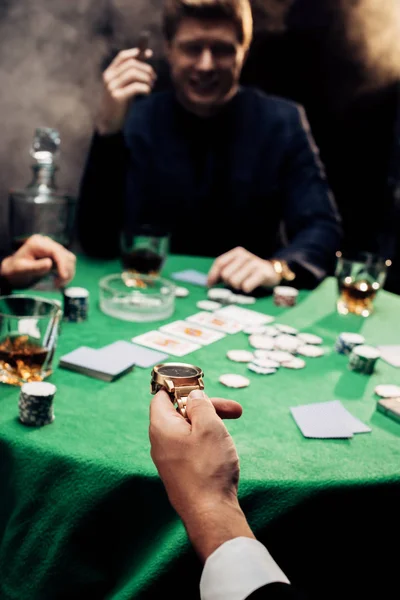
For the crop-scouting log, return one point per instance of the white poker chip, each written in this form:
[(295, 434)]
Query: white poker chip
[(294, 363), (181, 292), (41, 389), (266, 363), (367, 352), (310, 338), (260, 370), (209, 305), (280, 356), (76, 292), (234, 381), (271, 330), (286, 291), (239, 299), (250, 329), (261, 342), (387, 390), (352, 338), (219, 294), (286, 329), (244, 356), (287, 343), (311, 351), (261, 353)]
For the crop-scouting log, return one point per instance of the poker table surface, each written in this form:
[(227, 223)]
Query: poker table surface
[(83, 513)]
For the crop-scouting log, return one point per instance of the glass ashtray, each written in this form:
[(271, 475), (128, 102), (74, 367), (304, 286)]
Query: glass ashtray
[(136, 297)]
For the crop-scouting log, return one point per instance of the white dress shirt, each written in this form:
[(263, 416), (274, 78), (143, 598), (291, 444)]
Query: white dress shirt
[(238, 568)]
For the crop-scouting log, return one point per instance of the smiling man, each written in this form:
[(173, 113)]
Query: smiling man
[(230, 172)]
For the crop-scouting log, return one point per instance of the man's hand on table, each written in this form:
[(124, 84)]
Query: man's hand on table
[(125, 78), (35, 259), (242, 270), (199, 466)]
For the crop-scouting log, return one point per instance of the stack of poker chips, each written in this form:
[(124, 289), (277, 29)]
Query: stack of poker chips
[(76, 304), (285, 295), (363, 359), (36, 403), (347, 341)]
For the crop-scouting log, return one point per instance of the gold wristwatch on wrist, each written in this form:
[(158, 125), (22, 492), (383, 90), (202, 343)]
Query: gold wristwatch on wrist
[(282, 269), (178, 380)]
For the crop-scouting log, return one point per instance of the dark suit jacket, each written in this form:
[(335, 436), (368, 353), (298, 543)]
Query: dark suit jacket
[(230, 180), (276, 591)]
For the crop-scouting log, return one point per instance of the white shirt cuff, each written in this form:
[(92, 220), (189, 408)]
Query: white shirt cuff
[(236, 569)]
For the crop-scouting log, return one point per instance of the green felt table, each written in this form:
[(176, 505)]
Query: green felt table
[(84, 515)]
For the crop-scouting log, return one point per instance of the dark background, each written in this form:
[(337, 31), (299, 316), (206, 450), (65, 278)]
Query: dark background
[(340, 58)]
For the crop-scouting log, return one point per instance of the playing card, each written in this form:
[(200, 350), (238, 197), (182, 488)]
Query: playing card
[(192, 332), (218, 323), (91, 362), (327, 420), (390, 354), (142, 357), (321, 421), (165, 343), (244, 315), (191, 276)]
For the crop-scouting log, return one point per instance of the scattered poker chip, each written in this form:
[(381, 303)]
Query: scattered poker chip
[(36, 403), (261, 342), (240, 299), (271, 331), (387, 390), (310, 351), (347, 341), (363, 359), (234, 381), (181, 292), (280, 356), (260, 370), (220, 295), (209, 305), (310, 338), (285, 295), (287, 343), (294, 363), (266, 363), (261, 353), (257, 329), (76, 304), (287, 329), (240, 355)]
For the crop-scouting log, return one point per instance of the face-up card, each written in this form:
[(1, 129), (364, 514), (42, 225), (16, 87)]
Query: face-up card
[(244, 315), (191, 276), (390, 354), (91, 362), (165, 343), (192, 332), (142, 357), (216, 322)]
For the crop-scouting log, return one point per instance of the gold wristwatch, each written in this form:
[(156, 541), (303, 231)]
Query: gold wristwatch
[(178, 380), (282, 269)]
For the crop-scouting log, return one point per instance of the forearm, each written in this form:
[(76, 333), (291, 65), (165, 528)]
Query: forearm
[(210, 526), (101, 197), (5, 287), (311, 252)]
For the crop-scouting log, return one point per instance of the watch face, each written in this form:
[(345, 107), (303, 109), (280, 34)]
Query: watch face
[(178, 371)]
